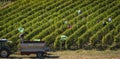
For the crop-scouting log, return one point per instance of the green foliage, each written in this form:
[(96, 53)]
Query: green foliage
[(45, 20)]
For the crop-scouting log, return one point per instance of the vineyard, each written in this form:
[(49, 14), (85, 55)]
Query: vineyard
[(88, 24)]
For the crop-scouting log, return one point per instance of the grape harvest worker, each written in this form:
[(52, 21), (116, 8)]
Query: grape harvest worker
[(21, 36), (69, 26), (109, 19)]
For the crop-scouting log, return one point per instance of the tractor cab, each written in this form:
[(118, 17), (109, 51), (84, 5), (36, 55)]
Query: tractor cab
[(4, 49)]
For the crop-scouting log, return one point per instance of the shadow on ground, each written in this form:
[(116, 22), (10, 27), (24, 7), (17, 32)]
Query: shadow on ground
[(34, 57)]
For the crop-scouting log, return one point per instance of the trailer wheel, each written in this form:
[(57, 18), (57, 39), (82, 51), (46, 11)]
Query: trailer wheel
[(39, 54), (4, 53)]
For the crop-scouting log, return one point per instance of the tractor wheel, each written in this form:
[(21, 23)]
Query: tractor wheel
[(39, 54), (4, 53)]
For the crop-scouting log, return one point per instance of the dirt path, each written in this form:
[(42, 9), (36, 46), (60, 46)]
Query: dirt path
[(64, 57), (78, 54), (89, 54)]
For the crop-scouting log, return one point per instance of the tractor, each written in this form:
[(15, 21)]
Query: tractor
[(4, 48)]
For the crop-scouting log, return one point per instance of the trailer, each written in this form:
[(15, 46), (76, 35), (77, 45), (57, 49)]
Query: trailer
[(33, 47)]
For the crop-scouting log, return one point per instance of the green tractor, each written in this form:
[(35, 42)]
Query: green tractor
[(4, 48)]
